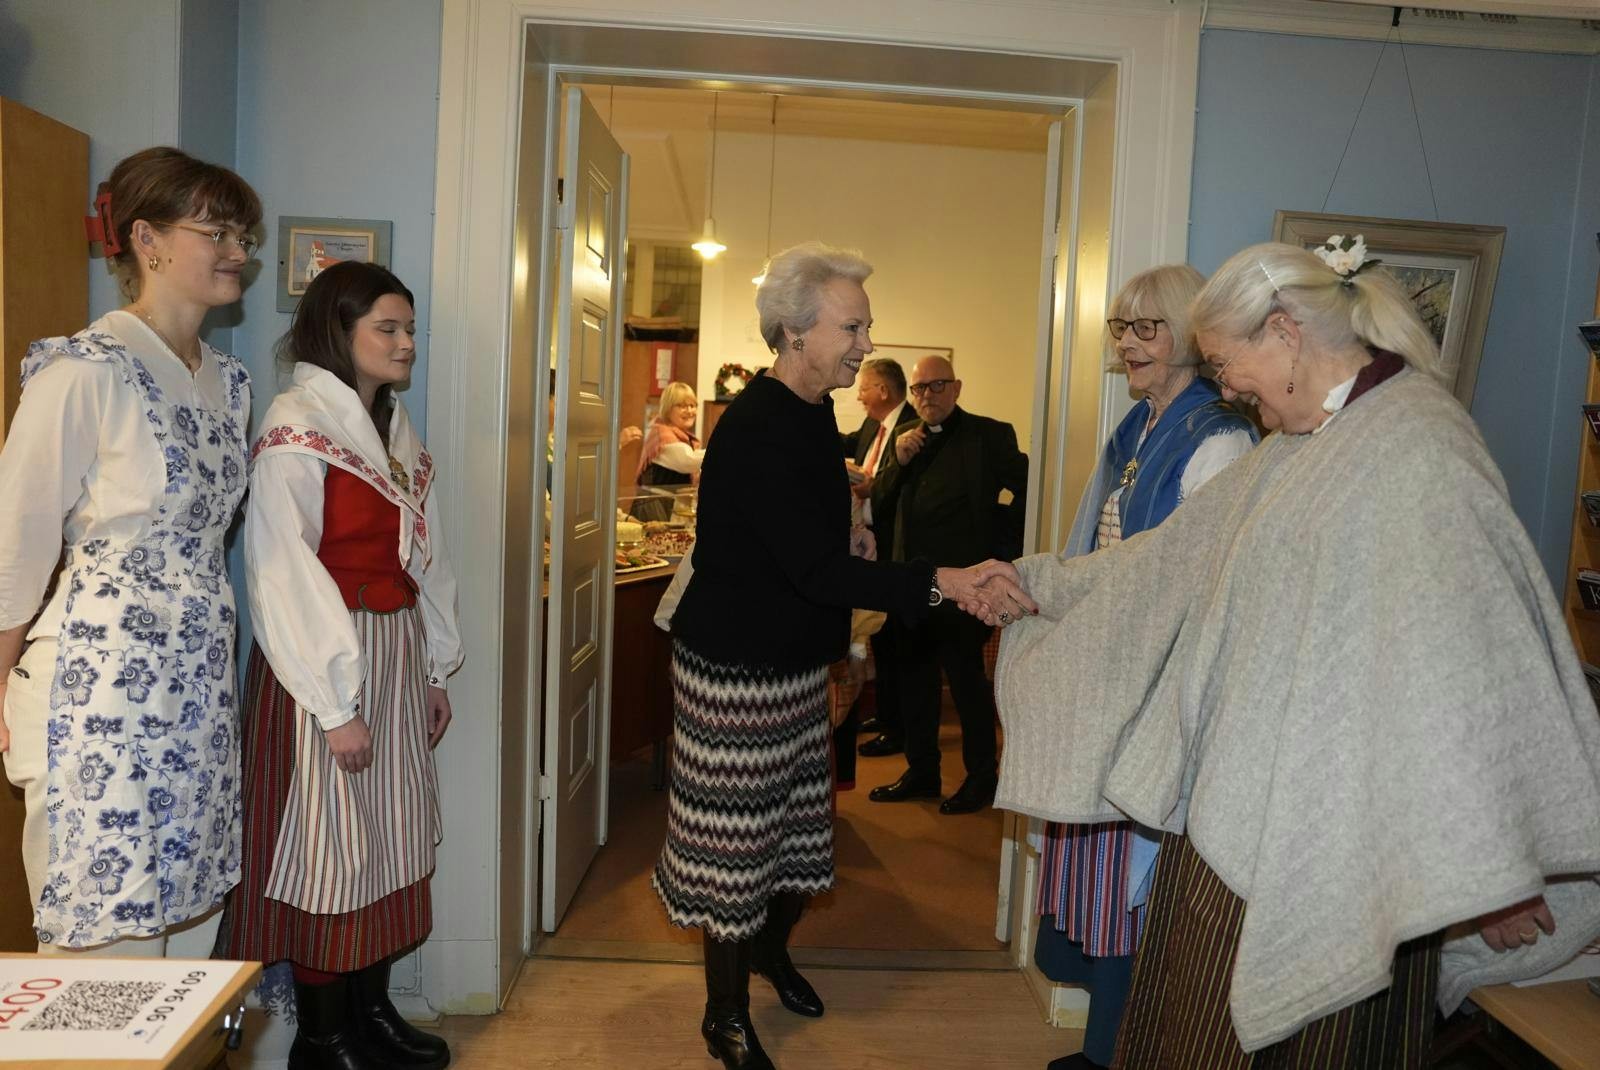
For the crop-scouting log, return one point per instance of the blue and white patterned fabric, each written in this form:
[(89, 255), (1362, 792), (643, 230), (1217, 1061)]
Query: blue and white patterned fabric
[(143, 739)]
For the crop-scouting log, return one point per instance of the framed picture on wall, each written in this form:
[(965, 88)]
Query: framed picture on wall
[(847, 411), (1448, 269), (308, 244)]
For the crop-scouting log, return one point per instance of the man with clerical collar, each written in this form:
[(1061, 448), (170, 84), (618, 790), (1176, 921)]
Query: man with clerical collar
[(881, 389), (946, 488)]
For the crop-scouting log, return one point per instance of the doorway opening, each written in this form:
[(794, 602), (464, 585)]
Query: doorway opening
[(947, 201)]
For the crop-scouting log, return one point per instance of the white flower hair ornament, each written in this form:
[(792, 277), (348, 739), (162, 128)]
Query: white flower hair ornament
[(1346, 256)]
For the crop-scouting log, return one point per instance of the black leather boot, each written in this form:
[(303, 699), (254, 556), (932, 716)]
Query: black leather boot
[(326, 1038), (728, 1031), (384, 1032), (769, 955)]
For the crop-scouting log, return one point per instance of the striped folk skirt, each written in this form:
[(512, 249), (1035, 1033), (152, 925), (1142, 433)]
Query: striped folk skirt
[(336, 865), (1083, 881), (750, 800), (1177, 1014)]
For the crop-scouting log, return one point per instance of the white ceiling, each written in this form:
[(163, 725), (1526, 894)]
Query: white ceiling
[(666, 133)]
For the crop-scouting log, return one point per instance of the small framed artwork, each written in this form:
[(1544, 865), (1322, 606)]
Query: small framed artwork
[(1448, 269), (847, 410), (308, 244)]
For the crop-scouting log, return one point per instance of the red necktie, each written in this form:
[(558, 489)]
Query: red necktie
[(871, 466)]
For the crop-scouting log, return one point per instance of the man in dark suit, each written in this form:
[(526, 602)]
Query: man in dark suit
[(944, 488), (881, 389)]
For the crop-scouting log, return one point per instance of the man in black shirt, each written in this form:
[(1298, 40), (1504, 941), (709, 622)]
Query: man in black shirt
[(944, 487)]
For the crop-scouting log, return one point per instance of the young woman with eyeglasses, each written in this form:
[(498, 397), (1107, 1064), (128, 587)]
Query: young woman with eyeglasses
[(128, 450)]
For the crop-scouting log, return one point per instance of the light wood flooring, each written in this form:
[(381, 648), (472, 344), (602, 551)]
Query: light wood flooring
[(646, 1016)]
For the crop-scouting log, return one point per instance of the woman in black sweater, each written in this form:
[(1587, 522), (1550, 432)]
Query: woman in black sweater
[(777, 569)]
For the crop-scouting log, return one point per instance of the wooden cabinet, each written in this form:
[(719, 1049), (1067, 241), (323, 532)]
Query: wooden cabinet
[(44, 291), (1583, 623)]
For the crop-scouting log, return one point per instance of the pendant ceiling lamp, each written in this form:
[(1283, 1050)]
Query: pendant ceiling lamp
[(772, 181), (708, 246)]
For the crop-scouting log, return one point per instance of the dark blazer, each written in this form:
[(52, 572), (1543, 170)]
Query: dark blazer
[(946, 502), (858, 443)]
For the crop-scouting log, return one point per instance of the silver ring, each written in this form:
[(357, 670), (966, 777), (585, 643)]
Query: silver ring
[(1005, 618)]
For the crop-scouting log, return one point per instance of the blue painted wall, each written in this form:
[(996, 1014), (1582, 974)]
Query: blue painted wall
[(337, 116), (1511, 141)]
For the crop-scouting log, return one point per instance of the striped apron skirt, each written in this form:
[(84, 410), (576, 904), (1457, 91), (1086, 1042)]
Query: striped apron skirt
[(750, 800), (1177, 1014), (336, 865), (1083, 881)]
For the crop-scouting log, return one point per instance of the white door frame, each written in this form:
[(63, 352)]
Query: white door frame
[(477, 265)]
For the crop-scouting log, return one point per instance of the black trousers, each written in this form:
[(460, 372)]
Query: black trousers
[(886, 651), (951, 641)]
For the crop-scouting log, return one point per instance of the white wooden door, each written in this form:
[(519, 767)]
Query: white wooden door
[(1050, 385), (591, 221)]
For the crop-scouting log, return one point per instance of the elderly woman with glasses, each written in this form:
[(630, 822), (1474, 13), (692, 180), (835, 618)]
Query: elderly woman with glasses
[(777, 570), (1094, 877), (1338, 681), (128, 452), (671, 455)]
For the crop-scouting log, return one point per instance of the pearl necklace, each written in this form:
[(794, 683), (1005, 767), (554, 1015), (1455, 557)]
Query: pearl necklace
[(192, 364)]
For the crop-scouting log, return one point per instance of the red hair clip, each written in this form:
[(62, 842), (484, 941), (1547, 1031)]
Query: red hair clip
[(100, 227)]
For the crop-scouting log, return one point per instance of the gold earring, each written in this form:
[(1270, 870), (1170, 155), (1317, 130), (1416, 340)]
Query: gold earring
[(154, 263), (798, 345)]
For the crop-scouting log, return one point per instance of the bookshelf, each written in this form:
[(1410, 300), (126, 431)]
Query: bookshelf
[(1584, 624)]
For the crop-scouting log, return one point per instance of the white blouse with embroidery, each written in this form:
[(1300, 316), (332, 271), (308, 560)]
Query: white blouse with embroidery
[(298, 615), (81, 463)]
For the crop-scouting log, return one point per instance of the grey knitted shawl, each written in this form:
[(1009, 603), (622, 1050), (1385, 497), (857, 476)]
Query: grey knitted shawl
[(1338, 667)]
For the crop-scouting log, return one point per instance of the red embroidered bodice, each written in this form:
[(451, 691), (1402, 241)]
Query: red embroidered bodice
[(361, 545)]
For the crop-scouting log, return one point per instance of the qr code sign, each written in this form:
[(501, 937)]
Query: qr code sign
[(109, 1005)]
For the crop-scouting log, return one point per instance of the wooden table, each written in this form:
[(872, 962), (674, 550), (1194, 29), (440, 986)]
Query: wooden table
[(1561, 1020), (198, 1049)]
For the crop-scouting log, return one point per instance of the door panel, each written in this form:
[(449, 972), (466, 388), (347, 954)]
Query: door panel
[(588, 349)]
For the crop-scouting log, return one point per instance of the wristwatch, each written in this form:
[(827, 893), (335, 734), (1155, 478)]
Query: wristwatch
[(935, 596)]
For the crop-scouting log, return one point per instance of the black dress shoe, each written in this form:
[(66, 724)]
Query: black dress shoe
[(1076, 1061), (973, 795), (907, 787), (871, 726), (880, 747)]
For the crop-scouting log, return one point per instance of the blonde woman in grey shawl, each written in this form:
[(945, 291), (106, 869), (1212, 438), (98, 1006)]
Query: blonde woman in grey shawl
[(1338, 680)]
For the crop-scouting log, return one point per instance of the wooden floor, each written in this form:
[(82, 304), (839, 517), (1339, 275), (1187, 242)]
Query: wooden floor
[(646, 1016)]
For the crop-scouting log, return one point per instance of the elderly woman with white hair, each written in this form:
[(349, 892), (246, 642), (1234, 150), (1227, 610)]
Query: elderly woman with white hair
[(1094, 878), (777, 570), (1338, 680)]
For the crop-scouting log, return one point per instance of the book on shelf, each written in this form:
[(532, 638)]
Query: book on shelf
[(1589, 589), (1590, 331)]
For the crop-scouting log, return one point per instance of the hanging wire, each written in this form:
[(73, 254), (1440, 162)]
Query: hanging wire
[(1417, 117), (772, 174), (711, 194), (611, 107), (1357, 121)]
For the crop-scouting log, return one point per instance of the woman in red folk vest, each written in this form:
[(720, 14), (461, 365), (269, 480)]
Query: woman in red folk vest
[(354, 609)]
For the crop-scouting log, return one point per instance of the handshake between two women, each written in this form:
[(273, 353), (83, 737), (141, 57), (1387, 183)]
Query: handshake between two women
[(991, 591)]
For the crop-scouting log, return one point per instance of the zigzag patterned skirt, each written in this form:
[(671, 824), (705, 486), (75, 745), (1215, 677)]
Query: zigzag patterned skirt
[(749, 804)]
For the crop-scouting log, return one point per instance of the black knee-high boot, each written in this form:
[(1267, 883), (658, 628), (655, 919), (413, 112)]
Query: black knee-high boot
[(384, 1032), (326, 1038), (769, 955), (729, 1033)]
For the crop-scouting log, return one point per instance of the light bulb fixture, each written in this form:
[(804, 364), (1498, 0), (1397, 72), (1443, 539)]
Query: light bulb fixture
[(708, 246), (772, 182)]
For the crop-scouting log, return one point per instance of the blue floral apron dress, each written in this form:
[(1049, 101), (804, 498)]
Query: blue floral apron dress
[(143, 756)]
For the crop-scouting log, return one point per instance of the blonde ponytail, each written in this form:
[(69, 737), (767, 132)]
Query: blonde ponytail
[(1382, 314)]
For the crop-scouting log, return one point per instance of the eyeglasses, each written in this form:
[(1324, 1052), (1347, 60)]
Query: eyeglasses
[(932, 386), (220, 236), (1220, 370), (1143, 329)]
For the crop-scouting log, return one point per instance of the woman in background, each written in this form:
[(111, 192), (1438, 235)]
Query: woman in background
[(1093, 878), (120, 721), (354, 609), (671, 455)]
